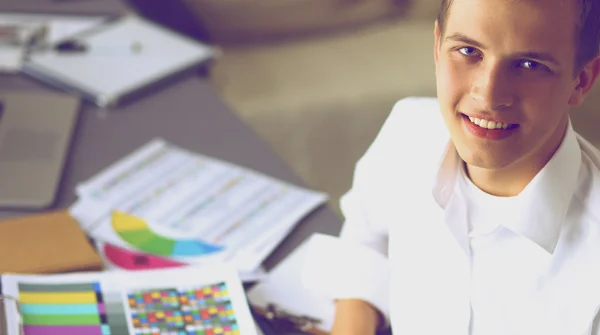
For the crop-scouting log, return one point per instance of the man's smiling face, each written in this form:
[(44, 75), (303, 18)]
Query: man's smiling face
[(505, 78)]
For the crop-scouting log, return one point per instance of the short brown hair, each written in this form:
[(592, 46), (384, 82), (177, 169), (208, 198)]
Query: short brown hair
[(588, 33)]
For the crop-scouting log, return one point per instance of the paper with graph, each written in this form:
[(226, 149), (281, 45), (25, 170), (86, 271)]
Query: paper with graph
[(167, 201), (191, 301)]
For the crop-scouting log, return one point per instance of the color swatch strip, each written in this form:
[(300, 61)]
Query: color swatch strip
[(58, 298), (69, 309), (115, 313), (79, 330), (62, 320)]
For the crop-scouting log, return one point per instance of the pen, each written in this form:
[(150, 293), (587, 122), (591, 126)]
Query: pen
[(78, 47)]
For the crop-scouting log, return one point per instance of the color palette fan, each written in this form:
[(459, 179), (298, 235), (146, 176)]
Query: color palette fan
[(131, 260), (138, 234)]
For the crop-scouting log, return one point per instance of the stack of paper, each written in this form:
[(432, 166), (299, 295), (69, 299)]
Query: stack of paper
[(178, 206)]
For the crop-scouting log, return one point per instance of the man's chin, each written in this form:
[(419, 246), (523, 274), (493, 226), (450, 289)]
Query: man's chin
[(486, 163), (484, 159)]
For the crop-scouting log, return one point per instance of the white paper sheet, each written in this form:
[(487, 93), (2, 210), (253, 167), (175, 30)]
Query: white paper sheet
[(182, 194), (115, 303)]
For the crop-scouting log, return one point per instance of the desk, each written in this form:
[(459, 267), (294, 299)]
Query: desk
[(187, 113)]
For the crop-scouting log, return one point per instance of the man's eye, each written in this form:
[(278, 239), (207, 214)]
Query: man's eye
[(530, 65), (468, 51)]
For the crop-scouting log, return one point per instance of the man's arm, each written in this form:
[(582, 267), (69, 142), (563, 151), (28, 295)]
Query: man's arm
[(355, 317), (353, 275)]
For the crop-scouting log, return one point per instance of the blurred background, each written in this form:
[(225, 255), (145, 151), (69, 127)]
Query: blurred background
[(317, 78)]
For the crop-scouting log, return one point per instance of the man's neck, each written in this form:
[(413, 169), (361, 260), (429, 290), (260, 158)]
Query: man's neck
[(511, 180), (508, 182)]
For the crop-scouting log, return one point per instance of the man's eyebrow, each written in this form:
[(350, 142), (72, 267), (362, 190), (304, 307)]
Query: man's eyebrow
[(458, 37)]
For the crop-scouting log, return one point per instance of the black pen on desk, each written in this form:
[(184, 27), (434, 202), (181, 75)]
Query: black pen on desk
[(71, 46), (80, 47)]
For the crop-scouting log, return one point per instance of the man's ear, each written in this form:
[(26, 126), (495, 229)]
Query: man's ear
[(584, 82), (436, 44)]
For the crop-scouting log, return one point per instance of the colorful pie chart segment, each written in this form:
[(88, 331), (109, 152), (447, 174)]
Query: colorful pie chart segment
[(132, 260), (138, 234)]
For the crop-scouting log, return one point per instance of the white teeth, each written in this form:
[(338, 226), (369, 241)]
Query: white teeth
[(488, 124)]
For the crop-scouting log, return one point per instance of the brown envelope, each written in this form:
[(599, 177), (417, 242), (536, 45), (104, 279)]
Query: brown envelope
[(45, 243)]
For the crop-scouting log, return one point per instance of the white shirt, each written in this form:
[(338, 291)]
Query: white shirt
[(485, 212), (534, 271)]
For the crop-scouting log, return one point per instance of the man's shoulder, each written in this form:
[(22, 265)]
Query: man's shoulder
[(416, 112), (414, 126), (411, 142)]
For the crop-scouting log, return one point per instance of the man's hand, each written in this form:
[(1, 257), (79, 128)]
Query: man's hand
[(355, 317)]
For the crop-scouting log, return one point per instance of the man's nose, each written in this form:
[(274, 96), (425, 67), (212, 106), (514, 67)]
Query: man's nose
[(492, 90)]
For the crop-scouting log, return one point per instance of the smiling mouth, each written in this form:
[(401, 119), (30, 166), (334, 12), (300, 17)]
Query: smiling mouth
[(489, 124)]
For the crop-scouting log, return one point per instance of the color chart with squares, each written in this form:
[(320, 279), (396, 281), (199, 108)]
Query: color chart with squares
[(200, 311)]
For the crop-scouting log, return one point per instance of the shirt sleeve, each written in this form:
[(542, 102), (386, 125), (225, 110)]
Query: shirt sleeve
[(335, 268), (359, 227), (353, 266), (362, 265)]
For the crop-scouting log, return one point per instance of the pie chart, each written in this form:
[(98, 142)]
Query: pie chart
[(132, 260), (138, 234)]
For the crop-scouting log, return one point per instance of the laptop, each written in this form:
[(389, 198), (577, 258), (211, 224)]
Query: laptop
[(35, 135)]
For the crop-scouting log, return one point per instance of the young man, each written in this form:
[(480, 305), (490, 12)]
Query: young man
[(489, 214)]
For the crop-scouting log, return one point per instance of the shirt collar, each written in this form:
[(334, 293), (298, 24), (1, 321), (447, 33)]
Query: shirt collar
[(544, 201)]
